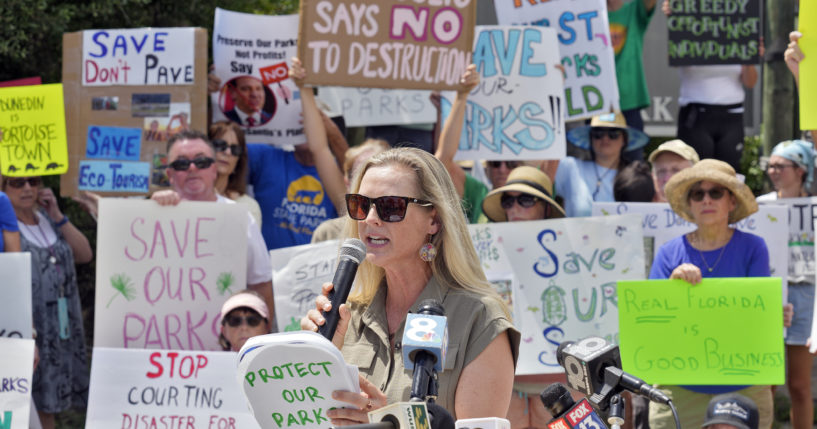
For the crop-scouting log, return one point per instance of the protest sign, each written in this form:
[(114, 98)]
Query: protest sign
[(16, 368), (288, 379), (517, 111), (139, 56), (33, 140), (163, 272), (165, 388), (672, 332), (807, 25), (15, 308), (250, 53), (387, 44), (564, 274), (590, 85), (22, 82), (663, 224), (126, 92), (363, 107), (298, 272), (703, 32)]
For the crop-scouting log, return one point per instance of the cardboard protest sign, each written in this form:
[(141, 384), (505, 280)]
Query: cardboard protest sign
[(672, 332), (563, 278), (703, 32), (15, 308), (22, 82), (126, 92), (807, 25), (164, 272), (387, 44), (32, 122), (517, 111), (165, 388), (363, 107), (250, 53), (288, 379), (298, 272), (16, 368), (591, 87)]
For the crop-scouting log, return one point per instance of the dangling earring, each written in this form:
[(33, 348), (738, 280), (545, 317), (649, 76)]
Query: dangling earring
[(428, 252)]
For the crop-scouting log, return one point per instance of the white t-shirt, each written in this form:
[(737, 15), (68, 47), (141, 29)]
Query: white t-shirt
[(259, 266), (711, 85), (41, 235)]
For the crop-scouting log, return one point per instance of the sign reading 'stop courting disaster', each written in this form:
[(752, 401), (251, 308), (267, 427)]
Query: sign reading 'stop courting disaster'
[(386, 44)]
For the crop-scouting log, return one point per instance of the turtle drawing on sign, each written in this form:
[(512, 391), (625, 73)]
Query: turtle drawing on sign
[(11, 169), (554, 308), (31, 167), (53, 166)]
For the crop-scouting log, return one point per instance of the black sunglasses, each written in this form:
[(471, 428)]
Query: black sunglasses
[(201, 163), (389, 208), (221, 145), (697, 195), (524, 200), (510, 164), (251, 320), (611, 133), (19, 182)]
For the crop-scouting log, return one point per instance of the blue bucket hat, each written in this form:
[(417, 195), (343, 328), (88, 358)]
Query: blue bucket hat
[(801, 153), (580, 137)]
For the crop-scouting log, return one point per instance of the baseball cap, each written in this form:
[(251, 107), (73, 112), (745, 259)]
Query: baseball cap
[(677, 147), (732, 409)]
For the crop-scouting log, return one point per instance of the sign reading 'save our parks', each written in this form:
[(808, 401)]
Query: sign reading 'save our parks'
[(705, 32), (16, 357), (719, 332), (386, 44), (32, 121), (15, 309), (163, 273)]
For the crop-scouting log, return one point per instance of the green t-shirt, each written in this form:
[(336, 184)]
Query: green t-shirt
[(472, 197), (627, 27)]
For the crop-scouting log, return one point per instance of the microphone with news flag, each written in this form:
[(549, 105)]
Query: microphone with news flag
[(567, 413)]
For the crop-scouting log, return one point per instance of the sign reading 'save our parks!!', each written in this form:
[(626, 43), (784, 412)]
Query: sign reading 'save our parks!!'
[(719, 332), (386, 44), (32, 121), (704, 32), (16, 356), (139, 56)]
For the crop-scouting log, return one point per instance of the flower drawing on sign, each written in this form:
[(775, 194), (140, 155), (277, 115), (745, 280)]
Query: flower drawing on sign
[(124, 286), (554, 309), (225, 282)]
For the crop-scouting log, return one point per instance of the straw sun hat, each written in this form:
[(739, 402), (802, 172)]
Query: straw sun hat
[(712, 170), (524, 179)]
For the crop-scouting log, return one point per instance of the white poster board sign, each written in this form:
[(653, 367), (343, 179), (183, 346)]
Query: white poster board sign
[(298, 272), (586, 49), (16, 368), (15, 308), (363, 107), (138, 56), (518, 109), (250, 53), (164, 272), (165, 388), (563, 279)]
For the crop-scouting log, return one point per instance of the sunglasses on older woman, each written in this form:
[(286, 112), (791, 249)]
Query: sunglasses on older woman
[(389, 208), (251, 320), (525, 200), (221, 146), (716, 193), (19, 182)]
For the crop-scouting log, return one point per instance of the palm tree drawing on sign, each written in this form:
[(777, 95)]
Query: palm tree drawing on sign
[(124, 286), (225, 282)]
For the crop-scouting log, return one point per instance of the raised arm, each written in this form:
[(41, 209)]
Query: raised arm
[(328, 170), (452, 129), (794, 55)]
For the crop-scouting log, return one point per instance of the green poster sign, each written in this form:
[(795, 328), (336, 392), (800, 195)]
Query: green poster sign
[(719, 332)]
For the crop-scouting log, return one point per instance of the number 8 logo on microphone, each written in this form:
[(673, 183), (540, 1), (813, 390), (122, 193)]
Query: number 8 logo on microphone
[(421, 329)]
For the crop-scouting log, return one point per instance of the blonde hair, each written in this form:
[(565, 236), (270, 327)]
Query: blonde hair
[(369, 147), (457, 264)]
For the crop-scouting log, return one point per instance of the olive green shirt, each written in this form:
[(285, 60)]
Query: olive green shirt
[(473, 322)]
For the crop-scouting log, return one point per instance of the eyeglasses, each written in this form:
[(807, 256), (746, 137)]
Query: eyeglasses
[(779, 167), (697, 195), (389, 208), (19, 182), (184, 164), (251, 320), (611, 133), (510, 164), (525, 200), (221, 145)]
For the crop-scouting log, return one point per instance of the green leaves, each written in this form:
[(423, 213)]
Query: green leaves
[(123, 286)]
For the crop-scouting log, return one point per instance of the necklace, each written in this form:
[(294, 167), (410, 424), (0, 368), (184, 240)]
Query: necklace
[(599, 179), (706, 264)]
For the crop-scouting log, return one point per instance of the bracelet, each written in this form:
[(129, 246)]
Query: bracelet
[(62, 222)]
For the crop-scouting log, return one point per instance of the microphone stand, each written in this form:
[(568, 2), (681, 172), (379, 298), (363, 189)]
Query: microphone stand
[(615, 417)]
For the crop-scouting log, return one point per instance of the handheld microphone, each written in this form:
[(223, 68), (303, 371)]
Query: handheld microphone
[(593, 367), (483, 423), (352, 253), (425, 338), (567, 413)]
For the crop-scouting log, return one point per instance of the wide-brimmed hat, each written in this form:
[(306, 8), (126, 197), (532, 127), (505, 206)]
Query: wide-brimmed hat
[(714, 171), (801, 153), (732, 409), (677, 147), (580, 137), (524, 179), (245, 299)]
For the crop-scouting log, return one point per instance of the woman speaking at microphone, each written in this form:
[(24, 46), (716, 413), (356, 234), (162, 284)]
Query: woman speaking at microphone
[(403, 206)]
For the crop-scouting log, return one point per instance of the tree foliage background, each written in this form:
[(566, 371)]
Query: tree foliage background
[(31, 30)]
